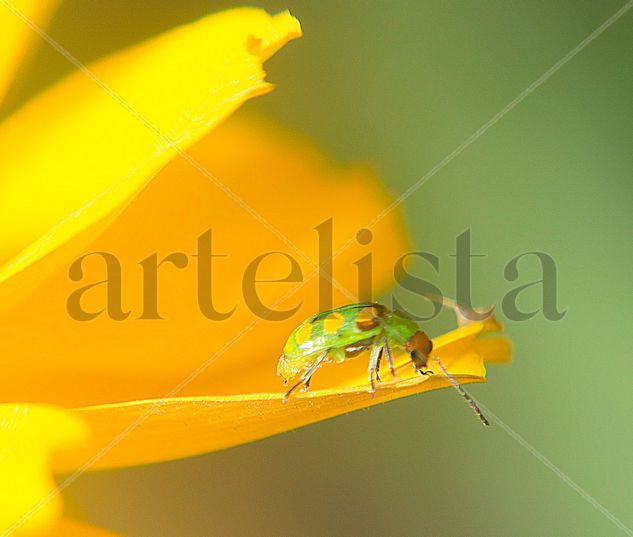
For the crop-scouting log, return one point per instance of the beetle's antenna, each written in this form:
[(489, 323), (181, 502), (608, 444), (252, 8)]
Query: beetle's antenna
[(462, 392), (464, 314)]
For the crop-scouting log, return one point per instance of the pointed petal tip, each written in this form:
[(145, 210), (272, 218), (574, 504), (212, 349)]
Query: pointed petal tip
[(282, 28)]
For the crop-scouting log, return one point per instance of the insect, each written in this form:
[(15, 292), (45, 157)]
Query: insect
[(342, 333)]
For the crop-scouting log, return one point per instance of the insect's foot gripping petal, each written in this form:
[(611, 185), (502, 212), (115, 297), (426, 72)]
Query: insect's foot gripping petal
[(289, 392), (372, 384)]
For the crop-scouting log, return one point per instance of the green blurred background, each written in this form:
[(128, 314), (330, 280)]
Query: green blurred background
[(401, 84)]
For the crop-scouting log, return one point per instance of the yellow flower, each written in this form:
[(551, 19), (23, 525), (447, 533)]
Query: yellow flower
[(114, 159)]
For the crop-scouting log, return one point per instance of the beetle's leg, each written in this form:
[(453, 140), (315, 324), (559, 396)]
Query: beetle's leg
[(306, 385), (374, 360), (389, 355), (382, 350), (306, 376)]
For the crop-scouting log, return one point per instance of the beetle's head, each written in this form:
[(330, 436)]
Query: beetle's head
[(287, 368), (419, 346)]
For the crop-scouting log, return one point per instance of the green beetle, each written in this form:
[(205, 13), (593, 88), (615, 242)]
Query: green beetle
[(334, 335), (345, 332)]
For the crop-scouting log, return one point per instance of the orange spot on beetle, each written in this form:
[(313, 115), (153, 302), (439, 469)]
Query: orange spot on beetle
[(333, 322), (303, 334), (368, 318)]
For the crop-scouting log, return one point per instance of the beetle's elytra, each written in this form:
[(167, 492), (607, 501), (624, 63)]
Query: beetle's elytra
[(333, 336)]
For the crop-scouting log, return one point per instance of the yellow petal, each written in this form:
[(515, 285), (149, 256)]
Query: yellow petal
[(76, 155), (283, 178), (497, 349), (29, 434), (17, 36), (179, 427)]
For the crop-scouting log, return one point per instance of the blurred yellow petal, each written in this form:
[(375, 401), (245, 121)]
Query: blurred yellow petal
[(282, 177), (29, 434), (17, 37), (72, 528), (78, 154), (88, 166), (183, 426), (497, 350)]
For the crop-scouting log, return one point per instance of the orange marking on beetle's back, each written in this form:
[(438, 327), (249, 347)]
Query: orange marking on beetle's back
[(368, 318), (333, 322), (303, 334)]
